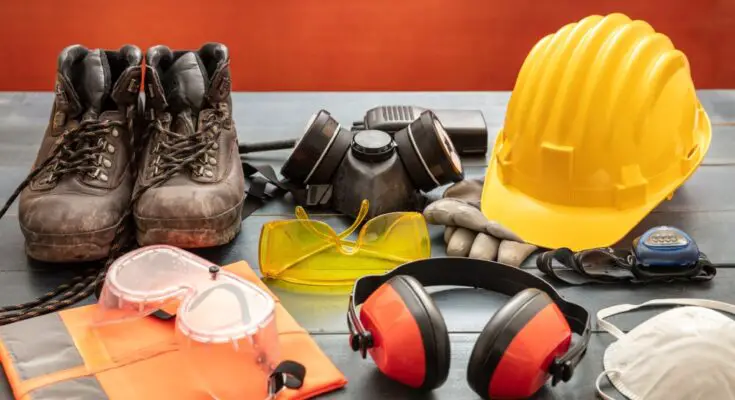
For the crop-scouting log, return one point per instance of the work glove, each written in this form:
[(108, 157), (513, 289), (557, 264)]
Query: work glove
[(468, 233)]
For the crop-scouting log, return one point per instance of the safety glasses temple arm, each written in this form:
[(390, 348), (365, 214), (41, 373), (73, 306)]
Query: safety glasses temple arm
[(303, 257), (303, 216), (384, 256), (364, 205)]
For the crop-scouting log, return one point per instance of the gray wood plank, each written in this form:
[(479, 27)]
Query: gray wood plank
[(366, 382), (703, 207)]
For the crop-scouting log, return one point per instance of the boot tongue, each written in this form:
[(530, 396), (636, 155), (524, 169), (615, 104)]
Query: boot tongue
[(186, 83), (94, 81)]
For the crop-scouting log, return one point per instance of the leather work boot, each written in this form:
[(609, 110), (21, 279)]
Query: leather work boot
[(191, 161), (71, 209)]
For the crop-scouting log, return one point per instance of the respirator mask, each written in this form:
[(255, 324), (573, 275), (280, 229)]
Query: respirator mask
[(337, 168), (684, 353)]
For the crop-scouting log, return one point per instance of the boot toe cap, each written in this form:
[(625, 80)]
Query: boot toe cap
[(186, 207), (68, 214)]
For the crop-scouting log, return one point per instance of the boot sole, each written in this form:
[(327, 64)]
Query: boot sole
[(221, 229), (70, 247)]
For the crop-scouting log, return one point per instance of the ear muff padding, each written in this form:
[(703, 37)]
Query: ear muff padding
[(497, 335), (432, 327)]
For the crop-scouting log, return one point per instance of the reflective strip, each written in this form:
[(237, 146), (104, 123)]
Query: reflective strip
[(39, 346), (85, 388)]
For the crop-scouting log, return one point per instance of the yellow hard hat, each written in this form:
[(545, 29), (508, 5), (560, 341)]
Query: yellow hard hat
[(603, 124)]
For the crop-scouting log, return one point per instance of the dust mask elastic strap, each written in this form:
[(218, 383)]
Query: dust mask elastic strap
[(621, 308)]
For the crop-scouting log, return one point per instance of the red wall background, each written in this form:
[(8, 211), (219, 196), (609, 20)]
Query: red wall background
[(350, 44)]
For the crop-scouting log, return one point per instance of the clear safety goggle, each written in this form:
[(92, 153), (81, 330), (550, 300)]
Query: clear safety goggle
[(307, 251), (225, 325)]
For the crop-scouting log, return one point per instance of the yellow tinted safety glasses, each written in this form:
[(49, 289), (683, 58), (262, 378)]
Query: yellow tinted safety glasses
[(306, 251)]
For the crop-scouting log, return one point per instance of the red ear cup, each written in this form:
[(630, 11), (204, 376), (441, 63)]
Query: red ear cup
[(512, 355), (410, 339)]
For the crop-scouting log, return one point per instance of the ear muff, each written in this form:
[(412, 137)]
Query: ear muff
[(410, 339), (428, 153), (512, 354), (318, 153)]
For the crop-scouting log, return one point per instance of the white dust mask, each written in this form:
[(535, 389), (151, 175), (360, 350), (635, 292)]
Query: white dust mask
[(686, 353)]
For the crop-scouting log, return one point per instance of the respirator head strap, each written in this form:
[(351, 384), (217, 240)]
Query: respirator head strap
[(257, 195)]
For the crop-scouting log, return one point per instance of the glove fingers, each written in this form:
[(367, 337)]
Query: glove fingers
[(470, 217), (469, 190), (460, 242), (438, 213), (485, 247), (448, 233), (514, 253), (499, 231), (455, 212)]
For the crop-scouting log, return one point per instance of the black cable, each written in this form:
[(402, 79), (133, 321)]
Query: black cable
[(267, 146)]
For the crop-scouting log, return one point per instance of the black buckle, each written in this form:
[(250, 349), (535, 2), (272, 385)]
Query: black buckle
[(288, 374), (360, 340), (561, 371), (318, 195), (257, 188)]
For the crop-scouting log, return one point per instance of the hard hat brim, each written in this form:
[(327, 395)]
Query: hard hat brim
[(553, 226)]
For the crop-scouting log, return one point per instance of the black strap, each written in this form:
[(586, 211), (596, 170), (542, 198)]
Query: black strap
[(288, 374), (482, 274), (605, 265), (256, 195)]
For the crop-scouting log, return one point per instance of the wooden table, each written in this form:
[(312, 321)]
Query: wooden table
[(704, 207)]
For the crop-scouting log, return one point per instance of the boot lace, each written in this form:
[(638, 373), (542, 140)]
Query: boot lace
[(194, 150), (83, 150), (184, 151), (78, 150)]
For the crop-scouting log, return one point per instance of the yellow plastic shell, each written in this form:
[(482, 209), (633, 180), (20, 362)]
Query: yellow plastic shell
[(603, 124)]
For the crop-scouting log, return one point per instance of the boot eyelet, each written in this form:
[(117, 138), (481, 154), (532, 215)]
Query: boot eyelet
[(115, 133), (103, 177), (107, 163), (212, 161), (208, 173), (110, 148), (215, 146)]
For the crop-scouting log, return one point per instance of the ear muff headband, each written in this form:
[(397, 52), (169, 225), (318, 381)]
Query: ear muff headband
[(488, 275)]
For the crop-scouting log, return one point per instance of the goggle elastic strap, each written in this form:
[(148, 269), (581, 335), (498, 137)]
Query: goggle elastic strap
[(288, 374)]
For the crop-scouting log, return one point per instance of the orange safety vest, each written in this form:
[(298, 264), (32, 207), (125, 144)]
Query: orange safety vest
[(58, 356)]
